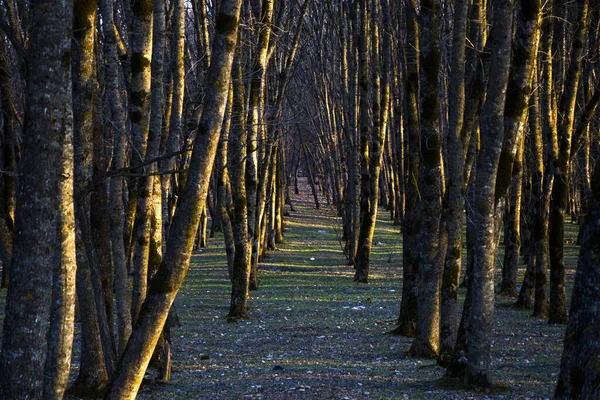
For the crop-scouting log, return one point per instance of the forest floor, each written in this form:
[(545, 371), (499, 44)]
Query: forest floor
[(314, 334)]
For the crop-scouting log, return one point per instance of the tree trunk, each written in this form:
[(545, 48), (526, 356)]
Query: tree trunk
[(240, 224), (411, 222), (562, 166), (512, 237), (579, 376), (27, 342), (114, 101), (92, 378), (426, 343), (456, 186), (255, 117), (492, 132)]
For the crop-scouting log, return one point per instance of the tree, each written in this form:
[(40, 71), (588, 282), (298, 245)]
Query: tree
[(430, 247), (41, 275), (492, 133)]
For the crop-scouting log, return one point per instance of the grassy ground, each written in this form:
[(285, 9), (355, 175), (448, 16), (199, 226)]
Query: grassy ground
[(314, 334)]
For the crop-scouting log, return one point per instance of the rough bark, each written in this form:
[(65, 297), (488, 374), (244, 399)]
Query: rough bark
[(492, 132), (39, 214), (426, 343), (579, 376), (411, 222), (454, 211)]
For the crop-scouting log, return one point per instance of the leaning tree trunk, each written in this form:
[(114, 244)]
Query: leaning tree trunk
[(41, 212), (164, 286)]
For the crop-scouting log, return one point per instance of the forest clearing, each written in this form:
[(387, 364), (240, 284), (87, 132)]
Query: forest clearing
[(314, 334)]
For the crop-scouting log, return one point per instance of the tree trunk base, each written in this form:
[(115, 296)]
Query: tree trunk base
[(403, 329), (508, 292), (361, 275), (420, 350), (88, 388), (558, 320)]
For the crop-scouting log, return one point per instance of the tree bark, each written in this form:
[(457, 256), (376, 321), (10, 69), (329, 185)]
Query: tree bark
[(579, 376), (454, 211), (426, 343), (492, 132), (562, 166), (29, 333)]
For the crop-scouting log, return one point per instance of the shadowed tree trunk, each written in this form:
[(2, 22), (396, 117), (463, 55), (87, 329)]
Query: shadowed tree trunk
[(479, 327), (430, 248), (9, 165), (562, 166), (456, 187), (34, 358), (579, 376), (114, 101)]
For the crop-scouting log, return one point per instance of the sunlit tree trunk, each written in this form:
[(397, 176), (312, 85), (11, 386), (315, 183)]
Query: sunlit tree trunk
[(238, 135), (142, 235), (92, 378), (170, 275)]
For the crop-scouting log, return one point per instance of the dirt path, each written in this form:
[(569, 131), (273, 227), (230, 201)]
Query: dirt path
[(314, 334)]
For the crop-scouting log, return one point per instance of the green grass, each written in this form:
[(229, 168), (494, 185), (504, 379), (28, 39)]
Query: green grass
[(313, 333)]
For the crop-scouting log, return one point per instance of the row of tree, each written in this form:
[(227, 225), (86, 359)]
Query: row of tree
[(461, 115), (123, 131)]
